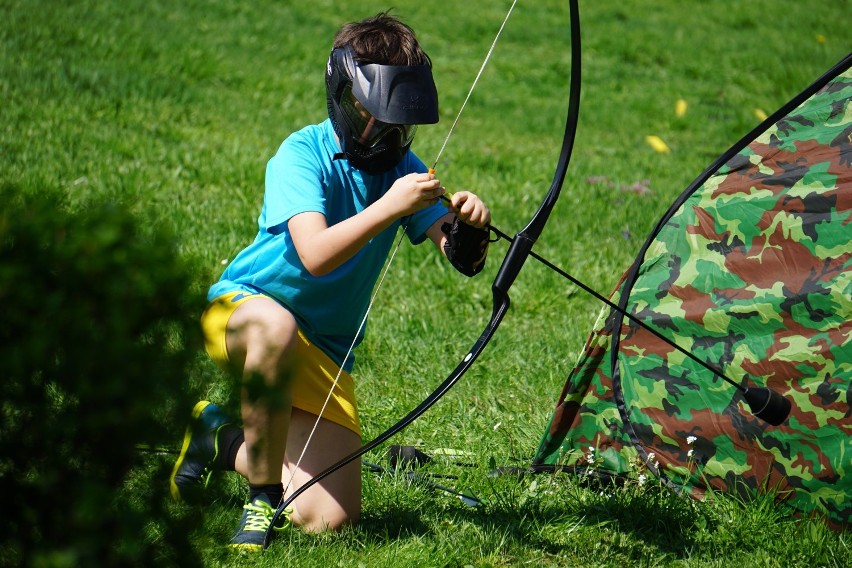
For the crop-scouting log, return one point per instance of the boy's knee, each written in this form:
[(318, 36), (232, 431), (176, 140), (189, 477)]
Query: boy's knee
[(260, 334), (277, 329), (317, 519), (270, 343)]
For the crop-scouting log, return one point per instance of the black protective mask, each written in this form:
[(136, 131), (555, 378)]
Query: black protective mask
[(380, 158), (375, 108)]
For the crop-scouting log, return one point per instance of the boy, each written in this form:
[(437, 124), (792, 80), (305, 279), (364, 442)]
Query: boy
[(289, 308)]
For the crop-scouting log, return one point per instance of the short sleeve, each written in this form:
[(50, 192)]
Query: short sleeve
[(294, 184)]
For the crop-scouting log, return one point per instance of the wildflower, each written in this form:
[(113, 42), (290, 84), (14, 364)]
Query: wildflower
[(652, 458), (641, 479), (690, 440), (690, 453)]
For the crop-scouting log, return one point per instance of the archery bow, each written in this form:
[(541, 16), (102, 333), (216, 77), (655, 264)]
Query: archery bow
[(519, 250)]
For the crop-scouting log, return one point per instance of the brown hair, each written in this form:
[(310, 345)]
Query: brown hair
[(382, 39)]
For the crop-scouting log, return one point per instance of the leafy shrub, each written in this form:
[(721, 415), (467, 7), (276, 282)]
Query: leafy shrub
[(97, 332)]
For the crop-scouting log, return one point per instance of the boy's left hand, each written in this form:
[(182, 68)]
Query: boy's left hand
[(470, 209)]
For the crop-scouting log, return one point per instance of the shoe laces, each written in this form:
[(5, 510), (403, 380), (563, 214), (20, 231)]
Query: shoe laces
[(260, 515)]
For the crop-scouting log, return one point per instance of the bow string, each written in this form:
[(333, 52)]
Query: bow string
[(519, 250)]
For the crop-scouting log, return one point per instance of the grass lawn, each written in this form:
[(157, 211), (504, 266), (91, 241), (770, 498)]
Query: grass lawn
[(173, 109)]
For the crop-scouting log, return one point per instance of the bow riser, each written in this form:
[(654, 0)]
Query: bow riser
[(514, 260)]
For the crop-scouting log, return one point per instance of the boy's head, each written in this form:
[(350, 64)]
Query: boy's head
[(379, 86), (382, 39)]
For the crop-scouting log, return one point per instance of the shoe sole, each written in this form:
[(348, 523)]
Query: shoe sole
[(187, 438), (246, 547)]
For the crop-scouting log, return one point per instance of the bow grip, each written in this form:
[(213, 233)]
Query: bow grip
[(514, 260)]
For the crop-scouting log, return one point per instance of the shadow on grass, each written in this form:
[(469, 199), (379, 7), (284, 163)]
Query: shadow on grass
[(571, 514), (395, 522), (564, 516)]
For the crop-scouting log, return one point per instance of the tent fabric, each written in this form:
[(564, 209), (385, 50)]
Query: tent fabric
[(751, 271)]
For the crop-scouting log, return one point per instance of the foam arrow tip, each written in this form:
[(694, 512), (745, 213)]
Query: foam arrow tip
[(767, 405)]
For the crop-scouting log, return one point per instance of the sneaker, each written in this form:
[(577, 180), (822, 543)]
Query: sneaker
[(257, 516), (199, 451)]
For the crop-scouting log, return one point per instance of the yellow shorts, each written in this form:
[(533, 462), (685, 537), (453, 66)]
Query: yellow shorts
[(315, 374)]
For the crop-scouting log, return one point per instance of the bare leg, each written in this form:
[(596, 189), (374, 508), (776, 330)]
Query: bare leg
[(336, 500), (261, 340)]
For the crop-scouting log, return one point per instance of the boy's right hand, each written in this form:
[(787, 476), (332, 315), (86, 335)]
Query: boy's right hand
[(411, 193)]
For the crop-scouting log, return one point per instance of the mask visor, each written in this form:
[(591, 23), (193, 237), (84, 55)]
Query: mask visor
[(366, 129)]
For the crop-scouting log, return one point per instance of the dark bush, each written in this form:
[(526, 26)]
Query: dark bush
[(98, 329)]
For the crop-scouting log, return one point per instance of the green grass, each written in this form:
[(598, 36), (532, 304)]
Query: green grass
[(173, 109)]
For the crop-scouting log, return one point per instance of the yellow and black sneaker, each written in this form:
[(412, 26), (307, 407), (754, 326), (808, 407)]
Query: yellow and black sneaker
[(257, 516), (199, 452)]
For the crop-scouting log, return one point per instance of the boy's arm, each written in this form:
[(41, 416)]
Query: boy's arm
[(322, 248), (436, 235)]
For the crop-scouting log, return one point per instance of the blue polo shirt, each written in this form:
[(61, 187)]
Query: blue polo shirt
[(304, 176)]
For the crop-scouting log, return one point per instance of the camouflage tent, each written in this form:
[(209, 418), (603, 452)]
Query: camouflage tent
[(750, 270)]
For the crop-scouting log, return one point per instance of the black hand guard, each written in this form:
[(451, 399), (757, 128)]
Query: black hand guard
[(466, 246)]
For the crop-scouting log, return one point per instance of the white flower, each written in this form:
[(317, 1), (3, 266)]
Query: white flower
[(651, 456), (690, 439), (641, 479), (690, 453)]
